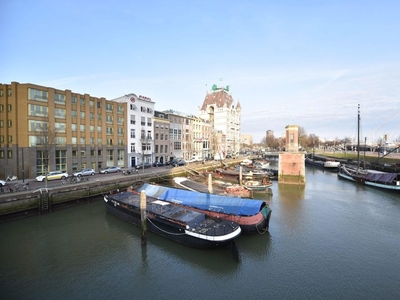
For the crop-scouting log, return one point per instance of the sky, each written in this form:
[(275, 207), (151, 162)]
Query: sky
[(308, 63)]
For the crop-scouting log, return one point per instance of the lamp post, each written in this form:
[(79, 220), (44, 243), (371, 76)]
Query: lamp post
[(23, 168), (365, 146)]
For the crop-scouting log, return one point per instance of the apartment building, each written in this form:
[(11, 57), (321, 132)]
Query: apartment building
[(44, 129), (162, 150), (140, 142)]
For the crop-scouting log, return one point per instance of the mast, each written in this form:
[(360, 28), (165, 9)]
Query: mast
[(358, 138)]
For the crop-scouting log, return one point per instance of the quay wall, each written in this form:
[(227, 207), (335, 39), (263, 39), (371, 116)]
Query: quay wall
[(27, 203)]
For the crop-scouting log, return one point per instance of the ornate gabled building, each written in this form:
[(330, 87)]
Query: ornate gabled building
[(220, 110)]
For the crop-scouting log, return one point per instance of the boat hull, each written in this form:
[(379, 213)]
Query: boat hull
[(169, 230), (362, 179), (254, 220)]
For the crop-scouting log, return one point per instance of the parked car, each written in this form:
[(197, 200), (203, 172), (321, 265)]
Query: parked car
[(85, 172), (144, 165), (3, 183), (52, 176), (177, 162), (158, 164), (113, 169)]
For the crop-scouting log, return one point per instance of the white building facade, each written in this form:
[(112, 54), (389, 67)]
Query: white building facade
[(140, 129)]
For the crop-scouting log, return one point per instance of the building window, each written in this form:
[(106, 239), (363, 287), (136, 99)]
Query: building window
[(73, 100), (82, 128), (60, 127), (37, 110), (91, 103), (73, 127), (133, 148), (82, 101), (60, 141), (82, 141), (143, 121), (156, 149), (91, 128), (156, 136), (73, 113), (133, 122), (161, 148), (37, 95), (61, 160), (74, 140), (99, 129), (109, 119), (82, 114), (109, 107), (59, 98), (59, 113)]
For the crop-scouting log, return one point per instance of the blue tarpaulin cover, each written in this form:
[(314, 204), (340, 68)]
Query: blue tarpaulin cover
[(381, 177), (223, 204)]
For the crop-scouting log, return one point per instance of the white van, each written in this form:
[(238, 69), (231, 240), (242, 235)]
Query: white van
[(219, 156), (194, 158)]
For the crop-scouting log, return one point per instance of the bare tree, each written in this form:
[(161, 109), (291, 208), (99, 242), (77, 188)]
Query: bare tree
[(45, 143)]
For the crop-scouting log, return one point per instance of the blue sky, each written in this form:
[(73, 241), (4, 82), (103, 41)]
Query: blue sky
[(308, 63)]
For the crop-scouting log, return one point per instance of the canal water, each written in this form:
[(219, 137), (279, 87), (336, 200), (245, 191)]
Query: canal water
[(328, 240)]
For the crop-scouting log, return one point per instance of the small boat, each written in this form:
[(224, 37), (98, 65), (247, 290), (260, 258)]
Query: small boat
[(218, 187), (262, 165), (331, 164), (246, 162), (233, 175), (255, 185), (314, 162), (252, 215), (378, 179), (182, 225)]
